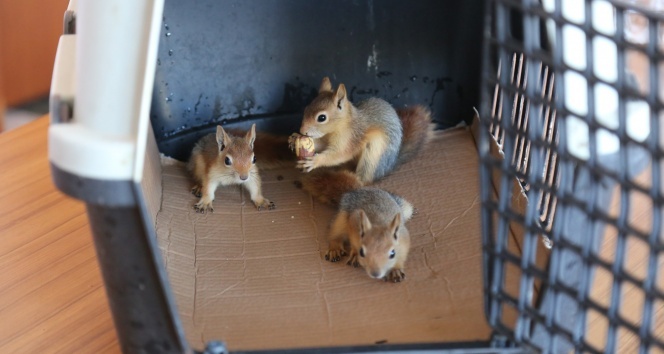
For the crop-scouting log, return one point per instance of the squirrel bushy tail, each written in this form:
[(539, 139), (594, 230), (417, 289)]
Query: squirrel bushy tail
[(272, 151), (417, 130), (327, 185)]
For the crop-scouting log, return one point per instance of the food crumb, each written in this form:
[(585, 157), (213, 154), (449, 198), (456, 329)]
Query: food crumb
[(292, 217), (280, 178)]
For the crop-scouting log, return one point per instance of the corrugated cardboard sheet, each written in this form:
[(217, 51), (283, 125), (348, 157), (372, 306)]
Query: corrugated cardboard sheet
[(259, 279)]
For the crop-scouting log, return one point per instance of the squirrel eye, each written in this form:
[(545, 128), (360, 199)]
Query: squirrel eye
[(321, 118), (254, 159), (392, 254), (362, 252), (227, 161)]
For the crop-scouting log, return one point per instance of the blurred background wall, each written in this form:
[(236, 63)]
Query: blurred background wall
[(29, 32)]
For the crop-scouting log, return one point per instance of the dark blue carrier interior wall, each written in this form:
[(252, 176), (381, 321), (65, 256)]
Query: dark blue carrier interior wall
[(232, 62)]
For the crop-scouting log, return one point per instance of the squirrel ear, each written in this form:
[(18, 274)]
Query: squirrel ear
[(361, 221), (325, 85), (222, 138), (340, 95), (396, 222), (251, 136)]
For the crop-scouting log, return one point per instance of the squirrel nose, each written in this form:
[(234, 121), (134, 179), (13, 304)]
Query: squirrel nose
[(244, 177), (375, 274)]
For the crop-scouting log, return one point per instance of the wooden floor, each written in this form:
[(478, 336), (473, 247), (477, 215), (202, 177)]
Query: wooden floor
[(52, 298)]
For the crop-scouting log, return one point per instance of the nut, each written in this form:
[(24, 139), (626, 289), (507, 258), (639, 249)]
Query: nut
[(302, 145)]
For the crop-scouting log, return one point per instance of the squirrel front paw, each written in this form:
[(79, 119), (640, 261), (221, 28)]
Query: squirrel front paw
[(265, 204), (334, 255), (308, 164), (353, 260), (197, 191), (291, 140), (395, 276), (203, 207)]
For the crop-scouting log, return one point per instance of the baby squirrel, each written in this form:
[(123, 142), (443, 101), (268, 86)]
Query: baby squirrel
[(372, 221), (373, 135), (222, 159)]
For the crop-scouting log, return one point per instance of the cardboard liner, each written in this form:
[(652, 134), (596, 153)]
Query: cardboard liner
[(258, 279)]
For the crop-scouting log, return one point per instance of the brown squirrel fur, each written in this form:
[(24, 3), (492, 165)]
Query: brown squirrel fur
[(221, 159), (372, 222), (328, 184)]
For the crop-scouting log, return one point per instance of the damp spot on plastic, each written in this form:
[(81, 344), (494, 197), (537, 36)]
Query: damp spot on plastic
[(381, 74), (367, 92), (296, 96), (440, 86), (198, 103)]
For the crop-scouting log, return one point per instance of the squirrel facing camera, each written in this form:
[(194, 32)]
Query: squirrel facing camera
[(378, 247), (222, 159), (370, 228)]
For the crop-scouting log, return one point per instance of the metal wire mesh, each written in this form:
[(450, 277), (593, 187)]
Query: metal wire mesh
[(571, 154)]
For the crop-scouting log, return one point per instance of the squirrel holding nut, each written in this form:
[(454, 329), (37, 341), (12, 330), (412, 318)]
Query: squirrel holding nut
[(373, 136), (372, 221), (223, 159)]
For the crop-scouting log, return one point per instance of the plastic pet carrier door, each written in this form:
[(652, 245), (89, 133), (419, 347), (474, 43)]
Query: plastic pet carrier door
[(573, 101), (569, 171)]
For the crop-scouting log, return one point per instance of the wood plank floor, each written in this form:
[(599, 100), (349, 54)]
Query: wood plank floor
[(52, 298)]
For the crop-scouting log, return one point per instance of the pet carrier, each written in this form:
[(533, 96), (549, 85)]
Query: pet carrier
[(576, 114), (560, 222)]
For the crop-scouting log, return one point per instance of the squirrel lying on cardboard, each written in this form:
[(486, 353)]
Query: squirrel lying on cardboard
[(372, 221), (374, 135), (222, 159)]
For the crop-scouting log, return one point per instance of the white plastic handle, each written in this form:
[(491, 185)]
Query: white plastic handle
[(114, 59)]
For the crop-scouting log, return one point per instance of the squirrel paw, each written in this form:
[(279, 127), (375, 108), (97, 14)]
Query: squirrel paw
[(202, 207), (395, 276), (353, 261), (334, 255), (196, 191), (265, 204), (308, 164), (291, 140)]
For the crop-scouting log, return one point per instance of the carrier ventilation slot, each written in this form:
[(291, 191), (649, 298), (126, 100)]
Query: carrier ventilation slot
[(520, 159)]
